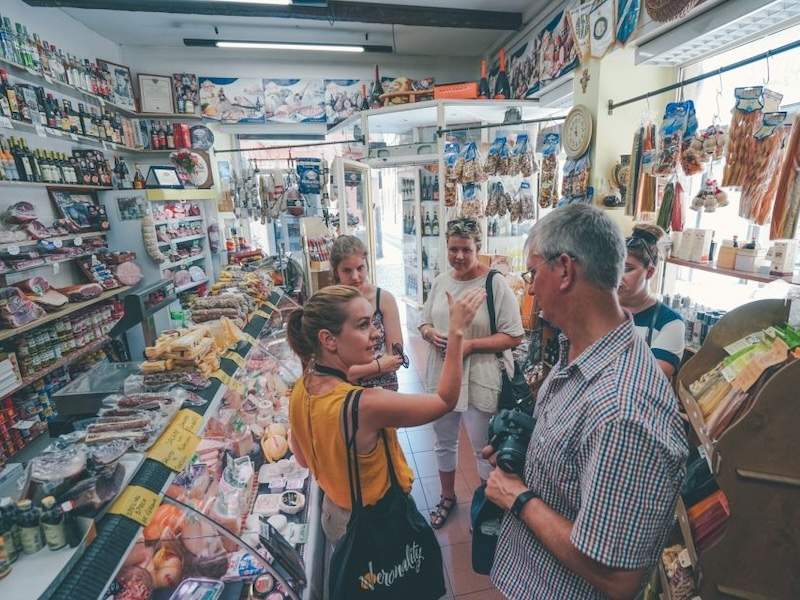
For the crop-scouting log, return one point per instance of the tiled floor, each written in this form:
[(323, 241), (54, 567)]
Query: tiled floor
[(455, 536)]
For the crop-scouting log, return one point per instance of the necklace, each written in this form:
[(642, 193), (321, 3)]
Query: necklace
[(323, 370)]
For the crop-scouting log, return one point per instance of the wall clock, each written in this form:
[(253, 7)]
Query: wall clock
[(577, 131)]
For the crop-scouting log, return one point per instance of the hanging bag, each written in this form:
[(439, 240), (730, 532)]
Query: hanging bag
[(389, 551), (514, 389)]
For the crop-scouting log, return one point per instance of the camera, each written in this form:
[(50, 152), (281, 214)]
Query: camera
[(509, 434)]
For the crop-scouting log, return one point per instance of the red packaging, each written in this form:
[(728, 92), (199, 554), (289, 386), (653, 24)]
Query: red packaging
[(183, 138)]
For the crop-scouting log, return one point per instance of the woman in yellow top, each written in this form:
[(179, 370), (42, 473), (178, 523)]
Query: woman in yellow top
[(332, 332)]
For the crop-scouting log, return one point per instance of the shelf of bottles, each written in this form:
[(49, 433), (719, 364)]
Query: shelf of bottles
[(419, 190)]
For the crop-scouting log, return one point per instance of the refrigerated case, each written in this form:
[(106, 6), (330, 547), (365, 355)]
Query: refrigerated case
[(352, 189)]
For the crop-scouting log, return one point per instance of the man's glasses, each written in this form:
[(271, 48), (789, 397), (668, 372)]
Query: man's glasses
[(397, 349), (462, 226), (529, 275)]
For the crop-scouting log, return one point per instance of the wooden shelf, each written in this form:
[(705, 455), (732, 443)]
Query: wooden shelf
[(70, 308), (708, 267), (190, 286), (176, 195), (62, 238), (179, 240), (67, 186)]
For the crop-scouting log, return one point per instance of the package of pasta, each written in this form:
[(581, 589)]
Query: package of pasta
[(751, 103), (679, 123), (548, 178), (521, 157), (471, 201), (451, 152), (471, 170), (492, 164)]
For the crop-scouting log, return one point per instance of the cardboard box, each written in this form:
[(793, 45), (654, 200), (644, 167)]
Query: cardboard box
[(726, 257), (783, 255), (701, 245), (747, 260), (684, 250)]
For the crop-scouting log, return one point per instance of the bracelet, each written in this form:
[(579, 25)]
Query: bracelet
[(377, 362)]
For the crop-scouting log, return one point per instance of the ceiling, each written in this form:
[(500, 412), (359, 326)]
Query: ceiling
[(169, 29)]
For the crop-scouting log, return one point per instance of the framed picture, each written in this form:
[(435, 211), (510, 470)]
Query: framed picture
[(121, 84), (131, 208), (187, 93), (155, 93), (81, 209), (193, 167), (163, 177)]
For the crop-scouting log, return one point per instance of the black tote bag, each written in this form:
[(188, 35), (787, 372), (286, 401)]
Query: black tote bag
[(389, 551)]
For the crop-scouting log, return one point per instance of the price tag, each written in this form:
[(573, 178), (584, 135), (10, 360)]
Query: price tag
[(189, 420), (32, 71), (40, 130), (73, 137), (174, 448), (235, 357), (6, 122), (56, 268), (271, 306), (136, 503), (222, 376), (58, 243), (47, 78), (248, 338), (261, 313), (78, 240), (13, 250)]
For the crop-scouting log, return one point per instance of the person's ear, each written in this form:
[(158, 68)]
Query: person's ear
[(651, 270), (568, 274), (327, 340)]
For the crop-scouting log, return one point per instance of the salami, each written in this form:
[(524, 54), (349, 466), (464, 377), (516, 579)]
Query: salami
[(128, 273), (787, 196)]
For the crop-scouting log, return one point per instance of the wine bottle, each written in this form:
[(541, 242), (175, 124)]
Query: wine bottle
[(502, 89), (364, 97), (377, 90), (483, 86)]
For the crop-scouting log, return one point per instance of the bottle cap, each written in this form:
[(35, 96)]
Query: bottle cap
[(48, 502), (24, 504)]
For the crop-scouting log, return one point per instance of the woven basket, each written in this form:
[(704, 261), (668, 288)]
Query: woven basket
[(664, 11)]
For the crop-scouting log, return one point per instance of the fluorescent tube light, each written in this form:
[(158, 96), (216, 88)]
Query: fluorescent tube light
[(290, 46), (278, 2)]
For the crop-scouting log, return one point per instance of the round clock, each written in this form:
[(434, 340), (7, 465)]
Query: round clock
[(577, 131)]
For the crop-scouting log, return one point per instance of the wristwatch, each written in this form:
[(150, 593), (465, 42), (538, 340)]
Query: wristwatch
[(521, 501)]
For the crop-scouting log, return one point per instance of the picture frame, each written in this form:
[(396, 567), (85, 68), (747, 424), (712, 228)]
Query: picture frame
[(163, 177), (131, 208), (121, 83), (80, 208), (187, 93), (155, 93)]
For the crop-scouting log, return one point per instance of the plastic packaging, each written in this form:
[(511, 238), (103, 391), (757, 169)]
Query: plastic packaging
[(548, 178)]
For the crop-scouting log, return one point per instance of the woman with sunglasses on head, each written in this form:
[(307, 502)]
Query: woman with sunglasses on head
[(659, 325), (482, 380), (349, 265), (332, 333)]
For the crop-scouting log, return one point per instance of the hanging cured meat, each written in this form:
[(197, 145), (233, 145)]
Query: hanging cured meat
[(760, 174), (787, 197)]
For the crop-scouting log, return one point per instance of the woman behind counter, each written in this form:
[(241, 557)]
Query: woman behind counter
[(481, 384)]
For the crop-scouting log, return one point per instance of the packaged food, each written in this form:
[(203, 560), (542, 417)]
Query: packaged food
[(492, 165), (679, 123), (787, 197), (471, 201), (196, 588), (521, 157), (761, 173), (548, 178)]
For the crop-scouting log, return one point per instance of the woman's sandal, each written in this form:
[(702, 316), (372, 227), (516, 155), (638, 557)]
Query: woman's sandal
[(442, 511)]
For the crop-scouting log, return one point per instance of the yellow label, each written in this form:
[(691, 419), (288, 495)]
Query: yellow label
[(189, 420), (271, 306), (235, 357), (222, 376), (248, 338), (236, 386), (174, 448), (261, 313), (136, 503)]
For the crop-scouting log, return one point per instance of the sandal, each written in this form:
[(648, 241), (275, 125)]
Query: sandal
[(442, 511)]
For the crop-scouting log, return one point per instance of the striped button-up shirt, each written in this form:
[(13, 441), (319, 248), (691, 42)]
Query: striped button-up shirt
[(608, 452)]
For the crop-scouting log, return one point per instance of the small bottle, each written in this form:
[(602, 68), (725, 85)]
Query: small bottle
[(29, 531), (138, 179), (8, 540), (53, 524), (72, 530)]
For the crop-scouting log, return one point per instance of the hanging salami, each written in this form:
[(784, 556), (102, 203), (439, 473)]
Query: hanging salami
[(787, 197)]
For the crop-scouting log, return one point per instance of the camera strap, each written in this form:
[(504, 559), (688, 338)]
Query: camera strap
[(490, 305)]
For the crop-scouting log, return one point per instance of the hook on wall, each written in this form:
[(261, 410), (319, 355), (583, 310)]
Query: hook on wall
[(766, 81)]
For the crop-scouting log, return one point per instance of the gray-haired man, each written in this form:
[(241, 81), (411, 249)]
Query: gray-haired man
[(607, 456)]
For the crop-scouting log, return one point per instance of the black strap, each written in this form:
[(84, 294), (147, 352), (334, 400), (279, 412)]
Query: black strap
[(378, 300), (652, 326), (490, 305), (351, 405), (323, 370)]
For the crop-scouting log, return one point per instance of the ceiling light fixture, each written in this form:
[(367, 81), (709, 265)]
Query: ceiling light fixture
[(291, 46), (273, 2)]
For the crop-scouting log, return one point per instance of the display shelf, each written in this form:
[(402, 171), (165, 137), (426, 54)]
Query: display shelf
[(49, 263), (183, 261), (177, 220), (91, 575), (62, 362), (190, 286), (68, 186), (166, 195), (70, 308), (61, 238), (188, 238), (169, 116), (727, 272)]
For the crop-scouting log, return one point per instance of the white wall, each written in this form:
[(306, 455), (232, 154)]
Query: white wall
[(57, 27), (215, 62)]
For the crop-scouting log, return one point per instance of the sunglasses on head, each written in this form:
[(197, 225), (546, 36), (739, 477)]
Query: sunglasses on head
[(639, 242), (462, 225)]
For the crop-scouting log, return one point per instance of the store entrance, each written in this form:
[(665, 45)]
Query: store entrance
[(388, 235)]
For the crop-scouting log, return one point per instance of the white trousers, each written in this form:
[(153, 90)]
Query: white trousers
[(447, 429)]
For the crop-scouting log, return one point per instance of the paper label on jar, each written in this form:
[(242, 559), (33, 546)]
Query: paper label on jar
[(54, 535), (31, 538), (136, 503)]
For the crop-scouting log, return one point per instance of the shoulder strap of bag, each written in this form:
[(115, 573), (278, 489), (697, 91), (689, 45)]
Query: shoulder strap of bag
[(377, 299), (653, 323), (490, 305), (353, 476)]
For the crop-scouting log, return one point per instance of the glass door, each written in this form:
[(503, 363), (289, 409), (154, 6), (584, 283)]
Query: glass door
[(354, 197)]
